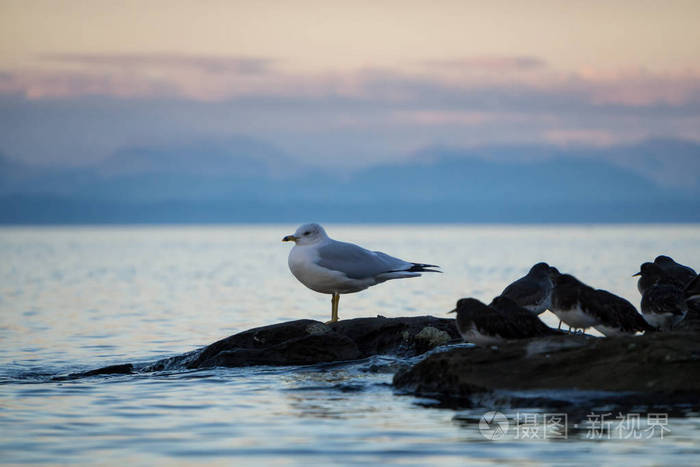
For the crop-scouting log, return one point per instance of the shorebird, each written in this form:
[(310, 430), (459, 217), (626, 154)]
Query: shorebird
[(328, 266), (649, 274), (679, 273), (664, 269), (616, 316), (685, 276), (521, 317), (664, 306), (692, 290), (534, 290), (483, 325), (567, 302), (663, 299)]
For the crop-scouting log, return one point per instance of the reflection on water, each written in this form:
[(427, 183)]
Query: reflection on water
[(77, 298)]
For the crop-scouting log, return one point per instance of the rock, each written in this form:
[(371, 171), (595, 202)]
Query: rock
[(654, 367), (397, 336), (429, 338), (124, 369), (305, 342)]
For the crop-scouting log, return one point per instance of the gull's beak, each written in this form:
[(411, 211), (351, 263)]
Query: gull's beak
[(290, 238), (638, 274), (452, 311)]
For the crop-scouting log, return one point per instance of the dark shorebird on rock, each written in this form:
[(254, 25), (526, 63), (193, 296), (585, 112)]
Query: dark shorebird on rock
[(534, 290), (581, 306), (692, 290), (687, 278), (679, 273), (664, 269), (616, 316), (664, 306), (521, 317), (567, 303), (649, 274), (663, 299), (483, 325)]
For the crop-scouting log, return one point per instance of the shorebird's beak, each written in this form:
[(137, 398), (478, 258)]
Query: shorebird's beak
[(452, 311), (638, 274), (290, 238)]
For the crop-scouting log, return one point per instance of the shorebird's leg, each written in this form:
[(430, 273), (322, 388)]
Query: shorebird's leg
[(334, 308), (559, 328)]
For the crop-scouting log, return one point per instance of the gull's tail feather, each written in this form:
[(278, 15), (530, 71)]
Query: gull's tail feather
[(420, 267)]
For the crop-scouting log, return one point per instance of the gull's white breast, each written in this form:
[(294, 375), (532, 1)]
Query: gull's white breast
[(303, 265)]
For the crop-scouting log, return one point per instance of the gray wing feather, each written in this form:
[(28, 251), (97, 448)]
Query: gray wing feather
[(357, 262)]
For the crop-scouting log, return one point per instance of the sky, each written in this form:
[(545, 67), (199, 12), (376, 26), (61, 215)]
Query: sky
[(343, 83)]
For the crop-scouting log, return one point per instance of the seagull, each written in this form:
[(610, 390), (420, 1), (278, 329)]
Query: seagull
[(484, 325), (534, 290), (328, 266)]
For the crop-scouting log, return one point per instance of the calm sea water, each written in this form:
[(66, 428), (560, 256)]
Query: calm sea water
[(78, 298)]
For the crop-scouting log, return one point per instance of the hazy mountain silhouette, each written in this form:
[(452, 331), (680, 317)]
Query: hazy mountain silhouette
[(248, 181)]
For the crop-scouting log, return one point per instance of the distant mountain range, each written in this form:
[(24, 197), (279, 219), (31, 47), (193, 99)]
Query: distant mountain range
[(249, 181)]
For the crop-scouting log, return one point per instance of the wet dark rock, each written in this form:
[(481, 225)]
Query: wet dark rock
[(658, 367), (306, 342), (397, 336), (124, 369)]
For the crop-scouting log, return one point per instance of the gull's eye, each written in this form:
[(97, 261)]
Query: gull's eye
[(307, 233)]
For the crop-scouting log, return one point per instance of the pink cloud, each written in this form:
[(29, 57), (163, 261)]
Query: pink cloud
[(204, 63), (565, 137), (639, 87), (492, 63), (211, 78)]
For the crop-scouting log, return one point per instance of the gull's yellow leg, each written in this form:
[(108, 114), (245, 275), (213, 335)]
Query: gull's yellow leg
[(334, 308)]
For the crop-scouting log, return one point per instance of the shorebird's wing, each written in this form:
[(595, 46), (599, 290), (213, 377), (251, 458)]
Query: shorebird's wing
[(524, 292), (492, 322), (613, 310), (692, 290), (664, 299), (357, 262)]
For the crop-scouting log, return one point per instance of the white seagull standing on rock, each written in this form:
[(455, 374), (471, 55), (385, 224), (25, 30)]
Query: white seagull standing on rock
[(329, 266)]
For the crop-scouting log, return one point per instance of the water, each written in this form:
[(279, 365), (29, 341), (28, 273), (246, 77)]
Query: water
[(79, 298)]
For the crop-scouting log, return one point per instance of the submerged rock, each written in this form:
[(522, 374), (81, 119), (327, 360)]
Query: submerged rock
[(658, 366), (124, 369), (306, 342)]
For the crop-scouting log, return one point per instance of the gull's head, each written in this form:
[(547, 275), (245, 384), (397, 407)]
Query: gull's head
[(307, 234)]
